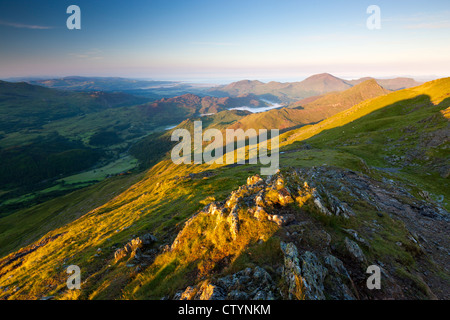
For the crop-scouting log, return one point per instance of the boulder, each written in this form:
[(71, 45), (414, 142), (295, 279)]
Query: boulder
[(354, 250)]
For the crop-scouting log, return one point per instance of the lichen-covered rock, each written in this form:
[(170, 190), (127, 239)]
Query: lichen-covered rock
[(313, 273), (337, 280), (133, 248), (308, 270), (356, 236), (248, 284), (284, 197), (260, 214), (354, 250), (251, 181), (320, 204), (233, 219), (292, 272)]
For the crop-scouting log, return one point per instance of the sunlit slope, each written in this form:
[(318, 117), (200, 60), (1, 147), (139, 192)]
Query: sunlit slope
[(166, 197), (169, 195), (436, 91), (365, 90), (404, 135), (27, 225), (301, 113)]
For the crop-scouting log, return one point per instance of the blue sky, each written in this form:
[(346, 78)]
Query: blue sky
[(210, 39)]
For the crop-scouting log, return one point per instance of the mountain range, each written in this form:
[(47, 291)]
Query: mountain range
[(312, 86), (306, 112)]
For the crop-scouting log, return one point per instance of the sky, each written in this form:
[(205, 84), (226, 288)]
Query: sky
[(235, 39)]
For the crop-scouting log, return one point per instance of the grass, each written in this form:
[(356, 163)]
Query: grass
[(120, 165), (163, 198), (28, 225)]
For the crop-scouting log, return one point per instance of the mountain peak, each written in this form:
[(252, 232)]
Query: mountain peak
[(322, 76)]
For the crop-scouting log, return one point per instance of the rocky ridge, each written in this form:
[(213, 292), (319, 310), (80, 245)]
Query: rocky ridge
[(323, 261)]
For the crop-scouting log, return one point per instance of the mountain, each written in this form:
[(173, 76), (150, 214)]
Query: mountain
[(323, 83), (391, 84), (344, 99), (313, 86), (366, 187), (285, 92), (312, 110)]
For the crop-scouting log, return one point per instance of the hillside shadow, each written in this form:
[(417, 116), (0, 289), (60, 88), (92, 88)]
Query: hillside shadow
[(400, 108)]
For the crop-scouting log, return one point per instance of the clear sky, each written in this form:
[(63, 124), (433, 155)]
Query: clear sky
[(233, 39)]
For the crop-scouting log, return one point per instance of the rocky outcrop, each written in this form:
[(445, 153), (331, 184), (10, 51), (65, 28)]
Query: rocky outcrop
[(133, 248), (292, 272), (354, 250), (307, 276), (317, 263), (248, 284)]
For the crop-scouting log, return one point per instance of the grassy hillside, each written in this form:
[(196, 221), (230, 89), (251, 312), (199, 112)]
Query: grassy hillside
[(28, 225), (346, 197), (405, 134), (365, 90)]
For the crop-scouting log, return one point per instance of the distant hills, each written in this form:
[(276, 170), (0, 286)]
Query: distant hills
[(391, 84), (42, 105), (149, 89), (76, 83), (313, 86), (190, 104)]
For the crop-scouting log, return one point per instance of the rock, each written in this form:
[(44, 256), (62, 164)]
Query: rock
[(187, 294), (233, 219), (354, 250), (133, 248), (281, 220), (338, 276), (425, 195), (303, 275), (237, 295), (313, 276), (148, 239), (247, 284), (284, 197), (339, 208), (292, 271), (251, 181), (260, 295), (319, 204), (260, 214), (356, 236), (259, 199), (211, 292), (120, 254)]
